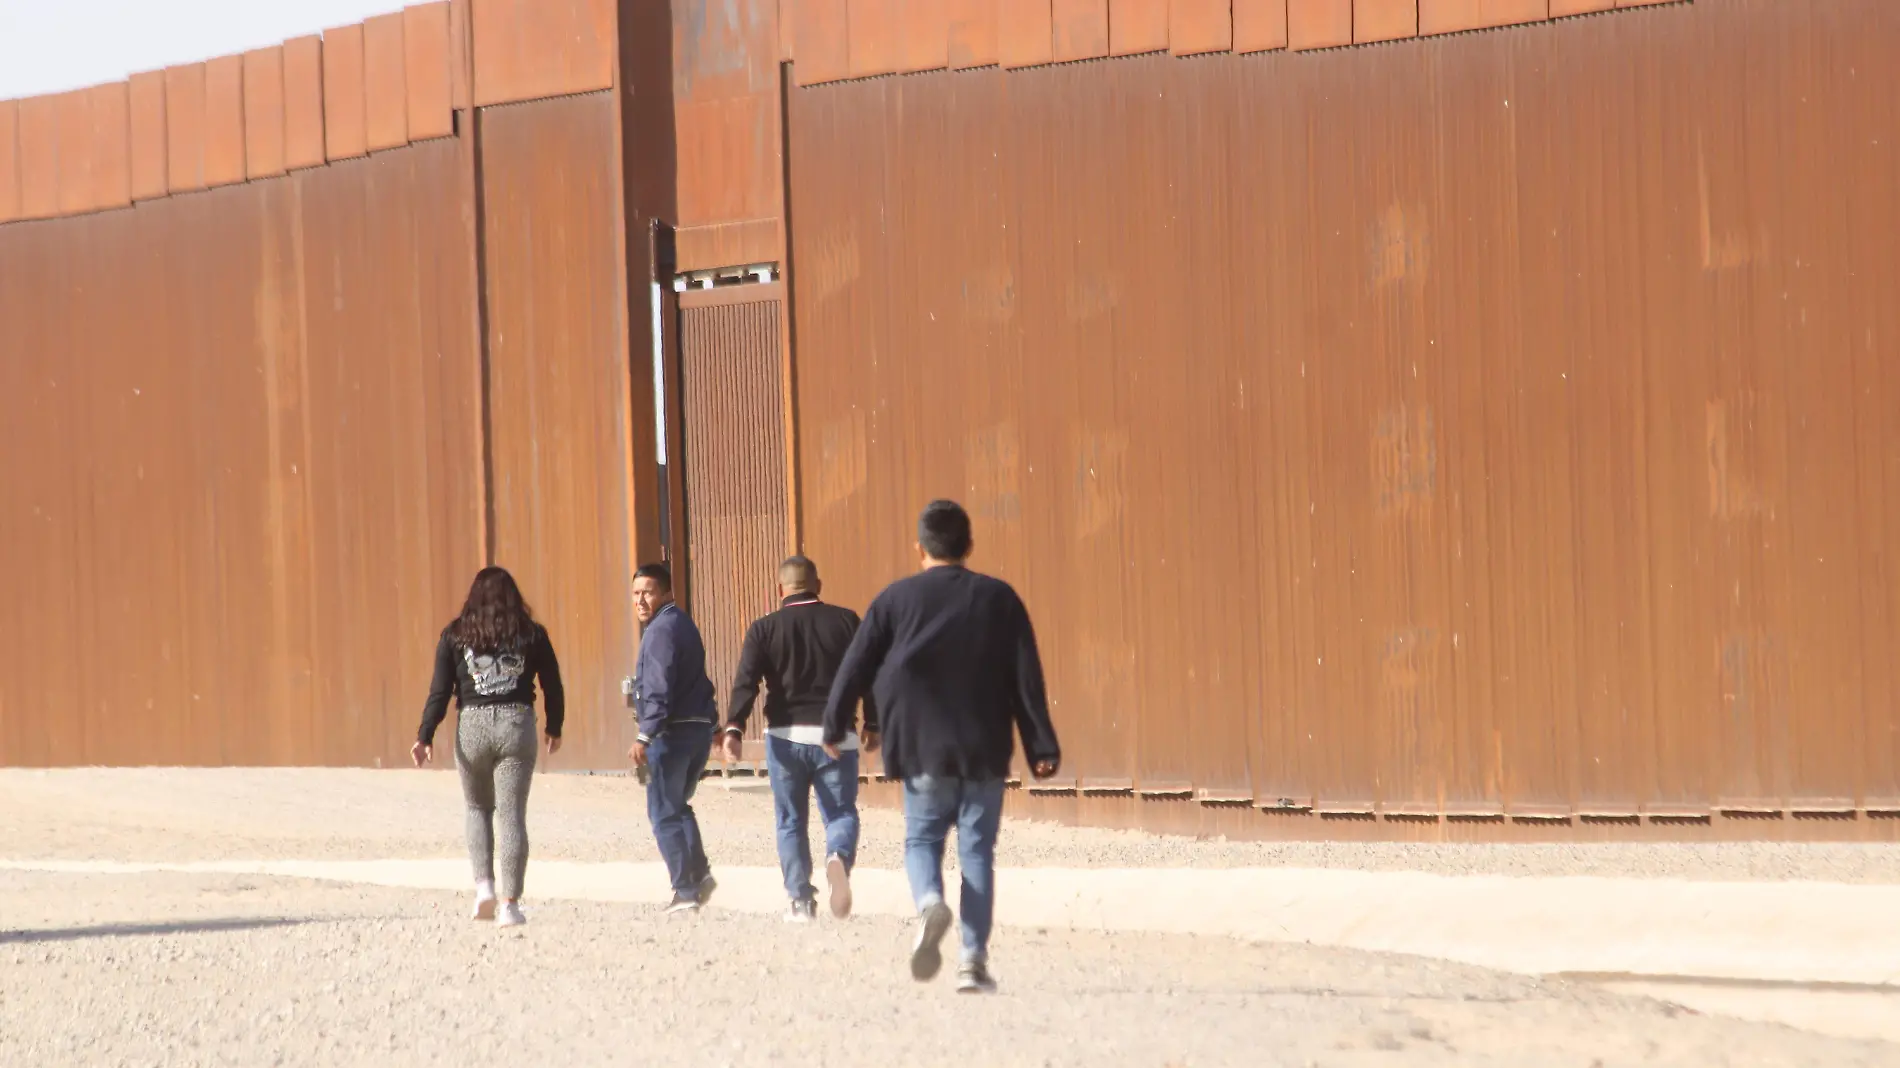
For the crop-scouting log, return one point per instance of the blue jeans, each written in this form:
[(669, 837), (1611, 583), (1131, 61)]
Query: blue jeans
[(796, 768), (932, 806), (675, 761)]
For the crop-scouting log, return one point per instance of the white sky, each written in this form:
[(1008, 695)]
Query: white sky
[(48, 46)]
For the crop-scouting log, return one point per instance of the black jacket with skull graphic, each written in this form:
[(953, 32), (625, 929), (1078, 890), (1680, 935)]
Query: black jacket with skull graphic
[(478, 679)]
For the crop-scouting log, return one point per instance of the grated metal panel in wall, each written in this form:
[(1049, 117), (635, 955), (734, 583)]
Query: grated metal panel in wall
[(736, 502)]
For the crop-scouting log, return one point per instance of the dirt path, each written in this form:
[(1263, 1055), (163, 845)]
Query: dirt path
[(207, 968), (189, 969)]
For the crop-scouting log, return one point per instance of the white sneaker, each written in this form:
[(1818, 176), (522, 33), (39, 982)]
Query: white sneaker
[(509, 915), (926, 959), (484, 902)]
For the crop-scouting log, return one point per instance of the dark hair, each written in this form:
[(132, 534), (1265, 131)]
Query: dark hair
[(798, 571), (944, 530), (494, 618), (659, 573)]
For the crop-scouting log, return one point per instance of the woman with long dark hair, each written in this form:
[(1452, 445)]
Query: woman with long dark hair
[(489, 658)]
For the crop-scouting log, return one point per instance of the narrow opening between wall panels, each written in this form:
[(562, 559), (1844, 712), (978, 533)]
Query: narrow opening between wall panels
[(717, 277)]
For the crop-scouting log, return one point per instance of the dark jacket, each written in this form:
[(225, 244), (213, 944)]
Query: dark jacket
[(951, 659), (670, 684), (477, 679), (795, 651)]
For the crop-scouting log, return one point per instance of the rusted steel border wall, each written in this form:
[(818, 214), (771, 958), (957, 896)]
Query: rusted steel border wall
[(558, 387), (727, 56), (834, 40), (1499, 429), (309, 348), (239, 491), (389, 81)]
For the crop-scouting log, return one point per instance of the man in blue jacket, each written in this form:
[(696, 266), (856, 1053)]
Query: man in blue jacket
[(673, 699)]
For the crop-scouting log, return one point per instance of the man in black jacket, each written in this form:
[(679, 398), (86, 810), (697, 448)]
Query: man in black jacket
[(951, 659), (795, 651)]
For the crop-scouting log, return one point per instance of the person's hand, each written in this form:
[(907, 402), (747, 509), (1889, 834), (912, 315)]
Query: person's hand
[(731, 747), (421, 753), (832, 751), (870, 740), (638, 754), (554, 744), (1043, 769)]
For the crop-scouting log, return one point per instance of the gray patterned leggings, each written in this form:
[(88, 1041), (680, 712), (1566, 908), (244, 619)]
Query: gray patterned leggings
[(494, 751)]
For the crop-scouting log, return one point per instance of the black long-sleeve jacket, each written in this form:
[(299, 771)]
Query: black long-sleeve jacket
[(950, 657), (795, 651), (477, 679)]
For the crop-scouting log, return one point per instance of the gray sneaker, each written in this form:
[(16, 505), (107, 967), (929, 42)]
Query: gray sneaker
[(975, 979), (803, 910), (926, 959), (706, 887), (681, 906), (509, 915)]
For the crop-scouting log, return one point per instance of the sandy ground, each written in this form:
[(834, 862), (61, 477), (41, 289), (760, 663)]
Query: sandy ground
[(173, 968), (184, 969)]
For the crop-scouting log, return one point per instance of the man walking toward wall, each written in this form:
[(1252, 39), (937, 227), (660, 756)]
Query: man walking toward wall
[(951, 658), (673, 701), (796, 651)]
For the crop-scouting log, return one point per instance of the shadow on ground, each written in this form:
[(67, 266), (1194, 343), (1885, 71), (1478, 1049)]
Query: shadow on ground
[(118, 930)]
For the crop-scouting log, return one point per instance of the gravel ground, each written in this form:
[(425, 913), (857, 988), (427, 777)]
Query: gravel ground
[(195, 969), (165, 814), (174, 968)]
